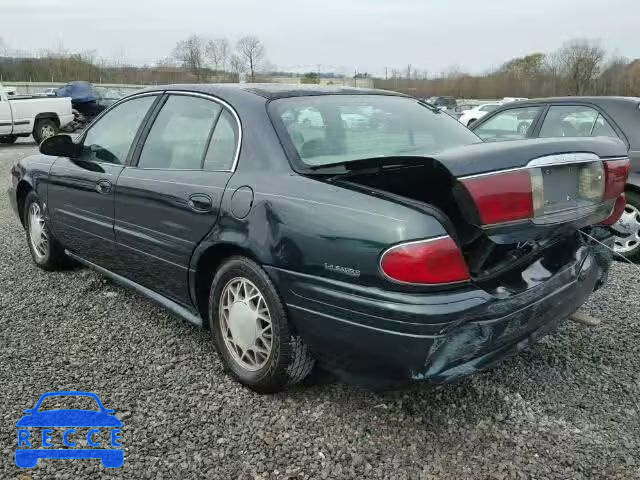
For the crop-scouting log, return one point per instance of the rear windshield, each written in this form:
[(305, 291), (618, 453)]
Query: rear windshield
[(328, 129)]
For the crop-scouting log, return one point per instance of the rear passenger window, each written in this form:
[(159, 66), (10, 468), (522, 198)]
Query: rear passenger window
[(180, 134), (568, 121), (603, 129), (222, 149)]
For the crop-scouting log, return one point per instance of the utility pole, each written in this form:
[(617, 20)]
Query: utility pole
[(386, 73)]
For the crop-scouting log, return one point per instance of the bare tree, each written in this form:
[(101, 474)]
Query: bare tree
[(580, 62), (251, 51), (218, 51), (190, 53), (237, 65)]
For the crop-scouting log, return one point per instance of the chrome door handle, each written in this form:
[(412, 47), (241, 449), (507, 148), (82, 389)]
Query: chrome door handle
[(103, 186), (199, 202)]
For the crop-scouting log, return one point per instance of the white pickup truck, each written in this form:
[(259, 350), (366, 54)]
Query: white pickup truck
[(42, 117)]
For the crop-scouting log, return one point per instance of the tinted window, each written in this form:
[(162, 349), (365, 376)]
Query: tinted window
[(336, 128), (510, 124), (603, 129), (223, 146), (110, 138), (180, 134), (568, 121)]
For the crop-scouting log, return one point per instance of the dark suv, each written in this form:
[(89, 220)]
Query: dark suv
[(448, 103)]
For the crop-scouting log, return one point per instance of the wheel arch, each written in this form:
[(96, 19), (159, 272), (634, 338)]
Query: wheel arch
[(204, 267), (22, 190), (47, 116)]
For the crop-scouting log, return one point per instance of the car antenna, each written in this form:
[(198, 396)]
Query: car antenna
[(614, 252)]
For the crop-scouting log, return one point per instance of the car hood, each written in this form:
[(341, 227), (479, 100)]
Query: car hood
[(69, 418), (491, 156)]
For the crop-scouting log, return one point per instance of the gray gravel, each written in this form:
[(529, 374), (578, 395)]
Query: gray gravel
[(567, 408)]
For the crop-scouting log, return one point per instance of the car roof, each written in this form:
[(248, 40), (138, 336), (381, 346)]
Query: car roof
[(623, 111), (596, 100), (273, 90)]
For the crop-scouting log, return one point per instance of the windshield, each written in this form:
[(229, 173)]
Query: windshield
[(328, 129), (74, 402)]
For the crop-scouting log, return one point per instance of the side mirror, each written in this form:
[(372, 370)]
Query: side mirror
[(60, 146)]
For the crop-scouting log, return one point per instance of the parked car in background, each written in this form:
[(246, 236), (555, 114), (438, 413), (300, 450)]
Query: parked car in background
[(443, 103), (105, 97), (460, 109), (49, 92), (476, 113), (411, 250), (87, 101), (615, 117), (24, 115)]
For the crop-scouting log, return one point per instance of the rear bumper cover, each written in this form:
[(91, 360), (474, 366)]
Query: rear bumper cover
[(437, 337)]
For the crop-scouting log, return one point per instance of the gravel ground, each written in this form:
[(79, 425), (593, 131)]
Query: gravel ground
[(567, 408)]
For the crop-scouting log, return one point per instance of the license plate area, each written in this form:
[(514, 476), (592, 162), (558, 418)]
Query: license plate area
[(560, 190)]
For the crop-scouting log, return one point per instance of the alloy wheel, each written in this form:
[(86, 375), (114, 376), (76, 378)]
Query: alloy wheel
[(245, 324), (37, 231), (627, 236), (47, 131)]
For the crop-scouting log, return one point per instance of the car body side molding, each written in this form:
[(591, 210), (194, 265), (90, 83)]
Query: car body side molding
[(161, 300)]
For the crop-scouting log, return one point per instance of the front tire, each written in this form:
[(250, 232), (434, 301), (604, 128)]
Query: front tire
[(250, 328), (44, 129), (627, 229), (8, 140), (45, 250)]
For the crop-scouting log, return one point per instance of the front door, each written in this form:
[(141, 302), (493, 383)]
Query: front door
[(169, 200), (81, 190)]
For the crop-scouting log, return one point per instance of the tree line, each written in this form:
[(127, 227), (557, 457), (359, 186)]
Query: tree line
[(580, 67), (203, 57), (194, 59)]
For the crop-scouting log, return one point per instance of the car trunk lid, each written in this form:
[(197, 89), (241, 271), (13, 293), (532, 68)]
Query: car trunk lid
[(509, 201)]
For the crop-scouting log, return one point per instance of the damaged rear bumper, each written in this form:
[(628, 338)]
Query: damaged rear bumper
[(436, 337)]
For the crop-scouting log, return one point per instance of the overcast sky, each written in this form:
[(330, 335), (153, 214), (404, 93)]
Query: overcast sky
[(369, 35)]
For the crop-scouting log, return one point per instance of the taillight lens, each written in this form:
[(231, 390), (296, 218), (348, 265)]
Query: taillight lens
[(502, 197), (618, 210), (537, 192), (428, 262), (615, 173)]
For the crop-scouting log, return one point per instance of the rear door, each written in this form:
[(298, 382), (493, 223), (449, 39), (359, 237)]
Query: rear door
[(80, 193), (168, 199)]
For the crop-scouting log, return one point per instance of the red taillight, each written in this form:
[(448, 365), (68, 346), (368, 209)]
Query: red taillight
[(432, 261), (502, 197), (615, 174), (618, 210)]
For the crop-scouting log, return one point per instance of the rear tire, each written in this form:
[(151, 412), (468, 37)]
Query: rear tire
[(627, 239), (250, 328), (45, 250), (9, 140), (43, 129)]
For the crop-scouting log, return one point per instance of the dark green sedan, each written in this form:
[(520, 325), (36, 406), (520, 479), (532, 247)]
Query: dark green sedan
[(360, 229)]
